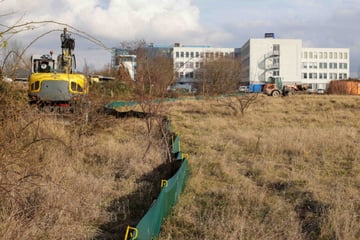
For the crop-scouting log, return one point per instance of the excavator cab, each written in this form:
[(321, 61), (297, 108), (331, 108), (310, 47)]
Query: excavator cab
[(43, 64)]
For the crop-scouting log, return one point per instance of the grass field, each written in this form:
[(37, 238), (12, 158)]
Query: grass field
[(286, 169)]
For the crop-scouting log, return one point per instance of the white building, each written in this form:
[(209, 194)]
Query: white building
[(321, 65), (187, 59), (286, 58)]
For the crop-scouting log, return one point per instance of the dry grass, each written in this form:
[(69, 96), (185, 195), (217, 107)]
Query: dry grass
[(288, 169), (63, 178)]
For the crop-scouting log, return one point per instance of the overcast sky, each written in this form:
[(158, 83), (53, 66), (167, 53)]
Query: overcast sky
[(219, 23)]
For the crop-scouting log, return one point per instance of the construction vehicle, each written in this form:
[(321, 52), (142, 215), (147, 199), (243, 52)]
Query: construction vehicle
[(275, 87), (53, 82)]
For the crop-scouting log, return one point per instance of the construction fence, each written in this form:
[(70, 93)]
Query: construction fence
[(150, 224)]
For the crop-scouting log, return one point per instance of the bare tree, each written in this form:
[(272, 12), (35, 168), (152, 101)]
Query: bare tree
[(219, 76), (154, 74)]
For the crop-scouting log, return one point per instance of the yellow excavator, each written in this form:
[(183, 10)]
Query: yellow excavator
[(53, 82)]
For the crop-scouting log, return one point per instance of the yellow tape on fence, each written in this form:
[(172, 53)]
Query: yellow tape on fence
[(130, 234)]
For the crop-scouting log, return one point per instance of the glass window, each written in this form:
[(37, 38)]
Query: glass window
[(325, 55), (304, 75), (330, 55), (197, 54), (305, 55), (320, 55), (345, 55), (181, 54), (322, 76), (333, 76), (310, 54), (304, 64), (191, 54), (177, 54), (323, 65), (340, 55), (187, 54), (315, 55), (335, 55)]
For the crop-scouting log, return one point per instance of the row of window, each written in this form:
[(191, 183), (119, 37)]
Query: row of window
[(189, 65), (186, 74), (329, 76), (202, 54), (324, 65), (325, 55)]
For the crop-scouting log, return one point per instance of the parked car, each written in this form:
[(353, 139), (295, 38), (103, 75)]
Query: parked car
[(320, 91), (244, 89)]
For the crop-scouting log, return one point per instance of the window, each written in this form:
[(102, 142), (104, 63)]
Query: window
[(197, 65), (177, 54), (343, 65), (342, 76), (340, 55), (320, 55), (315, 55), (335, 55), (330, 55), (310, 55), (197, 54), (276, 73), (305, 55), (323, 65), (313, 75), (182, 54), (345, 55), (333, 76), (276, 47), (322, 76), (304, 75), (325, 55), (313, 65), (304, 65), (333, 65), (76, 87), (187, 54)]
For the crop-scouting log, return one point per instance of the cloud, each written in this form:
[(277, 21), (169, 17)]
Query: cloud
[(116, 20), (110, 21)]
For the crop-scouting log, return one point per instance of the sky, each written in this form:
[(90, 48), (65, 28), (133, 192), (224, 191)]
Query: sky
[(99, 25)]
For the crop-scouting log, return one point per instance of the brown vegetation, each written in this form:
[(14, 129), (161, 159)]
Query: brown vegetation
[(64, 178), (288, 169), (219, 76)]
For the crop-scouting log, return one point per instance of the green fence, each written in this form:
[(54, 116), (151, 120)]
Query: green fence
[(150, 224)]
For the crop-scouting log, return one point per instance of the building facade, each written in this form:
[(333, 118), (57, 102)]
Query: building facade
[(286, 58), (260, 58), (321, 65), (188, 59)]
